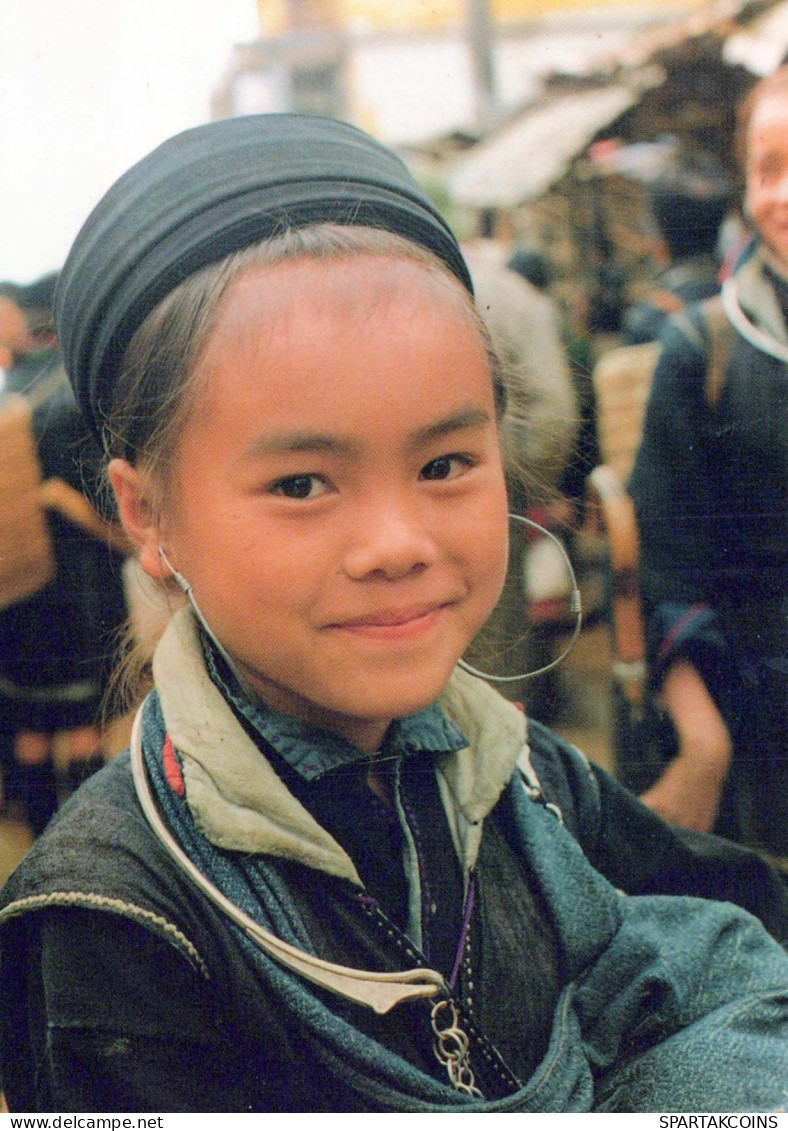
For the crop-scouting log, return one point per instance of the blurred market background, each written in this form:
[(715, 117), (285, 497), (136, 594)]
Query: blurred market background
[(533, 122)]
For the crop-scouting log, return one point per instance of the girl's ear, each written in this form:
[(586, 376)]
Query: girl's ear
[(134, 497)]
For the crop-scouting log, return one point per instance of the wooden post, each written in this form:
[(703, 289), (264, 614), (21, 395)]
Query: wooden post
[(481, 38)]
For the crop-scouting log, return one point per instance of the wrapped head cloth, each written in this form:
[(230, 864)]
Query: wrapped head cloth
[(206, 193)]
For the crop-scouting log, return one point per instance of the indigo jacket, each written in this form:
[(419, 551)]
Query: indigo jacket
[(123, 988)]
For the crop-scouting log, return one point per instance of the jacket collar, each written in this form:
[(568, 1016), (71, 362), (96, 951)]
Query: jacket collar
[(239, 803), (312, 752), (751, 303)]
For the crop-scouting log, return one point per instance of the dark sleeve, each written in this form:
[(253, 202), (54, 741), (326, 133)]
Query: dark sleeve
[(694, 633), (672, 479), (643, 855), (639, 853), (111, 1018)]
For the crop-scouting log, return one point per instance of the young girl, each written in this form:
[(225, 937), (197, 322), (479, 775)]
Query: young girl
[(327, 878)]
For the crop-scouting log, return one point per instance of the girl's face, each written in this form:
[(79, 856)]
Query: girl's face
[(767, 172), (338, 498)]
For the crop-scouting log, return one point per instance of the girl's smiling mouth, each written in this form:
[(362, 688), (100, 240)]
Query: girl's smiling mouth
[(394, 624)]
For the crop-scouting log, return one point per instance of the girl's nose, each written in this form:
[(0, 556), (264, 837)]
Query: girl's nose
[(389, 541)]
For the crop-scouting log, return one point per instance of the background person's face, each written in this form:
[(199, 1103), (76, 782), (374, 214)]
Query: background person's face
[(767, 172), (13, 332), (338, 498)]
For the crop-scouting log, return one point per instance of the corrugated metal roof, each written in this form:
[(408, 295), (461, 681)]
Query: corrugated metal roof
[(763, 46), (524, 159), (528, 156), (715, 17)]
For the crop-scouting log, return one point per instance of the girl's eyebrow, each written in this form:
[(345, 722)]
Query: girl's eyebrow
[(472, 417), (279, 443)]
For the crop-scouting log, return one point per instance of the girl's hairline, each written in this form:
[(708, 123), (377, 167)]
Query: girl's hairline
[(324, 242)]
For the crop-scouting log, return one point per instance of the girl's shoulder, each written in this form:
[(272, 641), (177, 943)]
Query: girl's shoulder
[(99, 854)]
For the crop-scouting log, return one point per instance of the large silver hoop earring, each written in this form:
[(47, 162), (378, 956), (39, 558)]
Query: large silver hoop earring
[(575, 606)]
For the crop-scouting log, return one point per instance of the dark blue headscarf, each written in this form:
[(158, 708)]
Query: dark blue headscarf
[(206, 193)]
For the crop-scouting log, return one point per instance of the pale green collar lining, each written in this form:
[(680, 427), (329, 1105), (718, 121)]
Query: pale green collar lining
[(239, 803), (756, 294)]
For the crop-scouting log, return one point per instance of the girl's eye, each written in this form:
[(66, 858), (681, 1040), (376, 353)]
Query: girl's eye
[(299, 487), (446, 467)]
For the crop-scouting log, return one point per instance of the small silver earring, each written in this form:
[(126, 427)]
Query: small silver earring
[(575, 606), (186, 588), (178, 578)]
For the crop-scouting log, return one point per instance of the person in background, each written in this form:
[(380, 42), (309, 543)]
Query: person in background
[(28, 345), (525, 327), (584, 455), (37, 359), (13, 330), (337, 871), (540, 426), (545, 576), (57, 646), (688, 201), (709, 486)]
